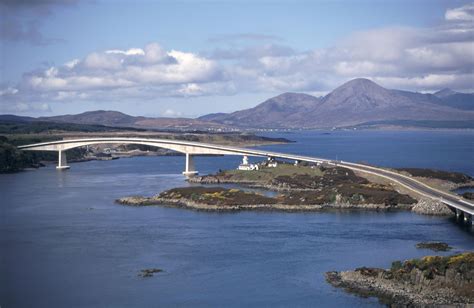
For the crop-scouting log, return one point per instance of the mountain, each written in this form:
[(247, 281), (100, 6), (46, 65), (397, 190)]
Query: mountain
[(284, 108), (457, 100), (353, 103), (104, 117)]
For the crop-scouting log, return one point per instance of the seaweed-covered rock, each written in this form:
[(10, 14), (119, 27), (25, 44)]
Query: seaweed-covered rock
[(435, 246)]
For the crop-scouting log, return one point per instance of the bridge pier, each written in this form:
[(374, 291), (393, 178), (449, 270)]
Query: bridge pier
[(468, 219), (62, 161), (190, 169)]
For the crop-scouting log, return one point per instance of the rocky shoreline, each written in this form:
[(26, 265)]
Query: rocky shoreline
[(431, 207), (432, 280), (423, 207), (189, 204)]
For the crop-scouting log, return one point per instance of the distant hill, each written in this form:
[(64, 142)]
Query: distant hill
[(104, 117), (116, 118), (15, 119), (454, 99), (353, 103), (18, 126)]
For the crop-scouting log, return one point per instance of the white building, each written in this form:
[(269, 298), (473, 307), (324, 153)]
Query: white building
[(246, 166), (272, 164)]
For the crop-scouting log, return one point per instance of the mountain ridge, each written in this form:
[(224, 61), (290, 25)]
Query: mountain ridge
[(355, 102), (113, 118)]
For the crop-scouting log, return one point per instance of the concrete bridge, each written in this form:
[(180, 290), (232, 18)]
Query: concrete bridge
[(464, 209)]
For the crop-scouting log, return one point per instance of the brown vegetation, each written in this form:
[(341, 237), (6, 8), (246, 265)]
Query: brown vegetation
[(318, 185)]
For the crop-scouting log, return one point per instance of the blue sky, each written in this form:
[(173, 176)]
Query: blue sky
[(188, 58)]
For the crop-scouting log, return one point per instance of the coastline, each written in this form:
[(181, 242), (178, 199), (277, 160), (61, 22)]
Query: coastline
[(431, 280)]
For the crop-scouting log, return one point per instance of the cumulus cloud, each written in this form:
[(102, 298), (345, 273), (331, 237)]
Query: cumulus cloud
[(420, 59), (464, 13), (172, 113), (116, 75)]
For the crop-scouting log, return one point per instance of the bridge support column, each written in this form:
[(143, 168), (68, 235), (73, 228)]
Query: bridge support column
[(458, 214), (190, 170), (62, 161), (467, 218)]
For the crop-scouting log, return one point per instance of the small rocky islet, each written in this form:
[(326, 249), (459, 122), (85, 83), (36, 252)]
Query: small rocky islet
[(149, 272), (434, 246)]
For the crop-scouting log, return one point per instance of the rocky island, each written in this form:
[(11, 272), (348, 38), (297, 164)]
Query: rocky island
[(431, 280), (306, 187), (301, 188)]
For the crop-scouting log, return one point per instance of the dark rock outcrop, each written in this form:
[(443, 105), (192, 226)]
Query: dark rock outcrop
[(435, 246), (149, 272)]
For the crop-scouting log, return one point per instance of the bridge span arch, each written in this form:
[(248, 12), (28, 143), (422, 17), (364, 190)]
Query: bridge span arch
[(186, 147)]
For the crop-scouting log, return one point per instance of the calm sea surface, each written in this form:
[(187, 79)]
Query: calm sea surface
[(65, 243)]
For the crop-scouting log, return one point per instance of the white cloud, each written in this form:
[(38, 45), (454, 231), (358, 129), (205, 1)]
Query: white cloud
[(464, 13), (129, 52), (154, 53), (172, 113), (8, 91), (106, 61), (191, 89), (71, 64), (428, 82)]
